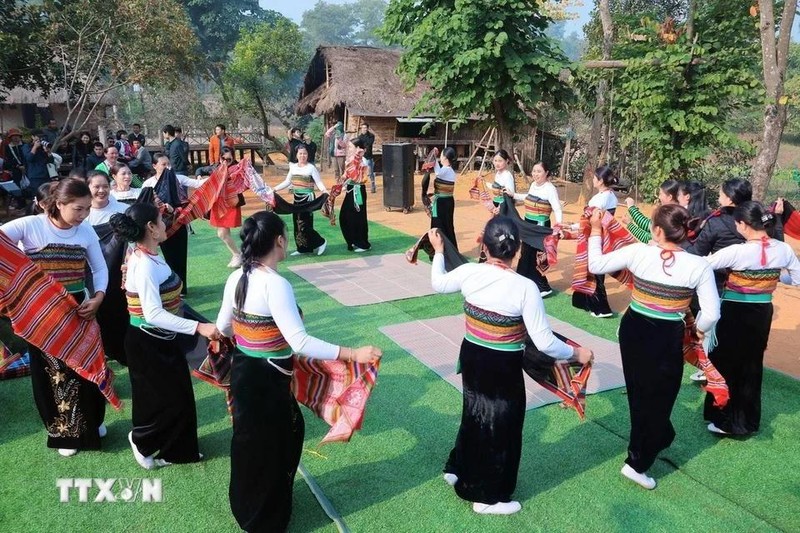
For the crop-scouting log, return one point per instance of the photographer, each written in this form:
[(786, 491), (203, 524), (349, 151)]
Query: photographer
[(37, 156)]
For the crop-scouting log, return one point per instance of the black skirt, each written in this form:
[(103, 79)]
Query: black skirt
[(268, 432), (652, 362), (445, 207), (72, 408), (596, 303), (355, 228), (306, 237), (742, 334), (113, 318), (527, 264), (162, 398), (175, 250), (487, 451)]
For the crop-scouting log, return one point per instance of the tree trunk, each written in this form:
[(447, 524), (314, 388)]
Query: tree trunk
[(265, 124), (775, 60), (596, 133)]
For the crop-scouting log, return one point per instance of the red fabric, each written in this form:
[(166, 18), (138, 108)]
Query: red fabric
[(203, 199), (45, 315), (615, 236), (231, 219), (694, 354)]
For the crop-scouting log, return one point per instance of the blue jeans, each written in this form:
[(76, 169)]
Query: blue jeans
[(371, 164)]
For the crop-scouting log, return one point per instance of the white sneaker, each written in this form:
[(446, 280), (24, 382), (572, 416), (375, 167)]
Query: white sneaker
[(321, 248), (698, 376), (358, 250), (498, 508), (67, 452), (545, 294), (145, 462), (643, 480), (451, 479), (714, 429), (295, 253), (236, 261), (601, 315), (102, 430)]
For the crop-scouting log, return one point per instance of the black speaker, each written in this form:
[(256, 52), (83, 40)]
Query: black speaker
[(399, 162)]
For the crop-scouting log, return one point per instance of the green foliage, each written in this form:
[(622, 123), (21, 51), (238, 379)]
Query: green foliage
[(343, 24), (266, 66), (316, 129), (675, 100), (489, 58), (21, 62)]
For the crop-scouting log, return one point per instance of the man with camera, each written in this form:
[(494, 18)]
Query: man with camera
[(38, 154)]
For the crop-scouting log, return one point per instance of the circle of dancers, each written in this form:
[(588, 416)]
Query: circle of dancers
[(116, 254)]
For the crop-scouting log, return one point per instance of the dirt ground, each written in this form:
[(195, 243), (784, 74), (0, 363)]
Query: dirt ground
[(470, 217)]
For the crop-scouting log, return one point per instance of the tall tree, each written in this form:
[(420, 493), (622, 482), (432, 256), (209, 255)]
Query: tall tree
[(343, 24), (96, 47), (775, 40), (21, 62), (266, 69), (494, 62), (217, 25)]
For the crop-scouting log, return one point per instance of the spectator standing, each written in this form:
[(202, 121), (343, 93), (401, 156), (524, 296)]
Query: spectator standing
[(109, 162), (50, 133), (184, 144), (37, 155), (311, 148), (367, 139), (338, 147), (142, 162), (217, 142), (136, 134), (173, 148), (81, 152), (14, 161), (123, 146), (295, 141)]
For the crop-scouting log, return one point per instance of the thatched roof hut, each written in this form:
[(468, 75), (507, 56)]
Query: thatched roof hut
[(362, 78)]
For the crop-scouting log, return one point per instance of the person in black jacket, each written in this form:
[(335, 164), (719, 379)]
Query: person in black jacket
[(367, 138), (81, 152), (311, 148), (174, 149)]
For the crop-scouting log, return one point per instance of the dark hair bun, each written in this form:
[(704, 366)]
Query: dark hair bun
[(126, 227), (501, 238)]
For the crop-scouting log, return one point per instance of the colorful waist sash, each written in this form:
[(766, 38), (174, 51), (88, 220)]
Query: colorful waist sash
[(170, 292), (657, 300), (493, 330), (65, 262), (441, 189), (259, 336), (302, 184), (751, 285), (537, 209)]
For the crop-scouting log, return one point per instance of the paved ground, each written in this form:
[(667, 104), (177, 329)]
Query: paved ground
[(470, 217)]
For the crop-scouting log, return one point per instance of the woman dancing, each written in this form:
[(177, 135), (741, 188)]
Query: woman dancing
[(605, 200), (743, 331), (260, 311), (540, 203), (353, 214), (651, 331), (502, 307), (164, 415), (303, 177), (71, 407), (442, 204), (503, 178), (637, 222)]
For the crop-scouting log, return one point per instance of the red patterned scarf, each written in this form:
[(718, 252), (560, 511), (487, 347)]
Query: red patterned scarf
[(694, 354), (203, 199), (615, 236), (45, 315)]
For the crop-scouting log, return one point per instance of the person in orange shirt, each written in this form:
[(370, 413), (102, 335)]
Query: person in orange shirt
[(216, 142)]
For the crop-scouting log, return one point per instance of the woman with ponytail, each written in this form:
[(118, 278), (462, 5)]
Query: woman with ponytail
[(502, 309), (164, 415), (72, 408), (754, 269), (651, 331), (259, 310)]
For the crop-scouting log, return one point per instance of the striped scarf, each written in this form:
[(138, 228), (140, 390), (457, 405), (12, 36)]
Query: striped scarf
[(660, 297), (615, 236), (493, 330), (170, 292), (66, 263), (43, 314), (753, 281), (695, 355), (203, 199)]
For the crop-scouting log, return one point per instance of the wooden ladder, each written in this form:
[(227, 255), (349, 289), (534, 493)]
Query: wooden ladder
[(488, 144)]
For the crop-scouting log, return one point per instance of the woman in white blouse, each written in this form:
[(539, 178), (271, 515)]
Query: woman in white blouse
[(443, 204), (665, 277), (605, 199), (502, 308), (122, 189), (303, 177), (541, 203), (259, 310), (164, 415), (503, 178), (103, 203)]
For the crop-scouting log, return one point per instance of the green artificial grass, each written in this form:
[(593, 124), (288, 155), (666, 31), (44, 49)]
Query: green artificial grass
[(388, 478)]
